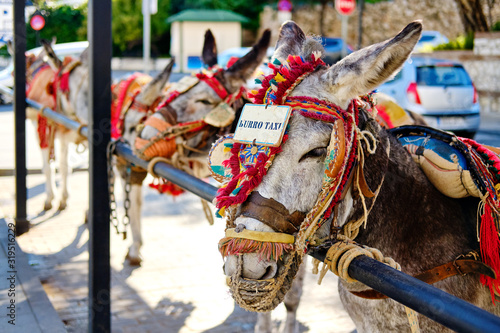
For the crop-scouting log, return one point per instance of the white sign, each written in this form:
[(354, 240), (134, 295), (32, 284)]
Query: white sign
[(263, 124)]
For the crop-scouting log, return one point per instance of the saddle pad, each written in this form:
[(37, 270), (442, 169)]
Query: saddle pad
[(444, 159)]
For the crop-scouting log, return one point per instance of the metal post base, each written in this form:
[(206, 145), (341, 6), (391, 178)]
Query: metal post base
[(22, 226)]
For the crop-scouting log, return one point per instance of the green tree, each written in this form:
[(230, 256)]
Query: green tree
[(127, 26), (72, 19)]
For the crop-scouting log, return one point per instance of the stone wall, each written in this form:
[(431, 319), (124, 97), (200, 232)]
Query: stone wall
[(385, 19), (380, 21)]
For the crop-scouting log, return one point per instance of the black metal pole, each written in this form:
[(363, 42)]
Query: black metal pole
[(176, 176), (22, 223), (434, 303), (99, 34)]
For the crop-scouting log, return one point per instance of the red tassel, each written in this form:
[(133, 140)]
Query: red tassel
[(64, 82), (167, 187), (490, 250)]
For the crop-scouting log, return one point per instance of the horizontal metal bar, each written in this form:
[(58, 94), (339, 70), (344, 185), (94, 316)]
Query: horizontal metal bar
[(176, 176), (51, 114), (430, 301)]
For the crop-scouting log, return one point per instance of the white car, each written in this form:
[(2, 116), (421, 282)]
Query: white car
[(62, 50), (430, 39), (439, 90)]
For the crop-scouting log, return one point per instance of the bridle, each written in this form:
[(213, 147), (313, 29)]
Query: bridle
[(237, 196)]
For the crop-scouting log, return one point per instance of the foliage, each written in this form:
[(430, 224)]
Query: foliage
[(496, 26), (127, 26), (463, 42), (71, 18)]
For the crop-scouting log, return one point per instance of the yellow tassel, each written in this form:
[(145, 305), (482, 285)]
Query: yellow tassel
[(226, 150), (279, 78)]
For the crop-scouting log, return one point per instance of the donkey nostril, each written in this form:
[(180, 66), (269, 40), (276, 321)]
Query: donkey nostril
[(270, 271)]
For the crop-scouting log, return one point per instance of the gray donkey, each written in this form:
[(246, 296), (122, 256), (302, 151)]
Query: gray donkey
[(402, 214)]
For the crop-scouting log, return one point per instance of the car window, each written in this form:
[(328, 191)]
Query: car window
[(424, 39), (442, 76)]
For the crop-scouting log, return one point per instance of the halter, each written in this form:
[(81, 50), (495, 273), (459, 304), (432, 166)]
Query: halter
[(247, 169)]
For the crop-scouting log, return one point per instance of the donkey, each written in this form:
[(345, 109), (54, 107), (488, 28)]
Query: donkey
[(39, 79), (131, 105), (192, 105), (338, 176)]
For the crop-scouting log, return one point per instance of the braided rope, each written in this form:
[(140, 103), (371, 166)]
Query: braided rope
[(339, 257), (153, 162), (341, 254)]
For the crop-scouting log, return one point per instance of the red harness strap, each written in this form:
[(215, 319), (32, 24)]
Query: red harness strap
[(214, 84)]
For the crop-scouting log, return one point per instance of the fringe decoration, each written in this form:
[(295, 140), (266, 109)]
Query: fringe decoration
[(487, 164), (267, 250), (164, 186), (490, 249)]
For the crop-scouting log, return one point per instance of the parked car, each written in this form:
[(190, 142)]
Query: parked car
[(439, 90), (62, 50), (430, 39), (333, 49)]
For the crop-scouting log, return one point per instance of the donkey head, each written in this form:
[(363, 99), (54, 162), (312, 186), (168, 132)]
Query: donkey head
[(145, 101), (313, 149), (195, 97)]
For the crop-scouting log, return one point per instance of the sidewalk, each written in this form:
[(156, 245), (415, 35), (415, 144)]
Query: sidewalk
[(24, 303)]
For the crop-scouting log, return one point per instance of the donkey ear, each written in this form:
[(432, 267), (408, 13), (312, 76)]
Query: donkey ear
[(244, 67), (209, 53), (52, 60), (154, 88), (363, 70), (84, 56), (289, 41)]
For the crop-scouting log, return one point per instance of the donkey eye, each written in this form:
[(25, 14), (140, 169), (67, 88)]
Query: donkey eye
[(315, 153), (204, 101)]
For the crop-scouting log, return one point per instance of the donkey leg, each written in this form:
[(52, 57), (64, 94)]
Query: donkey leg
[(46, 169), (63, 169), (292, 300), (264, 323), (134, 254), (49, 181)]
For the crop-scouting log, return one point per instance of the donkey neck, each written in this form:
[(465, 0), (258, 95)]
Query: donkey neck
[(412, 221)]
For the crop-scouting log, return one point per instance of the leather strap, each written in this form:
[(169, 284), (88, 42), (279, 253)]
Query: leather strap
[(168, 113), (436, 274), (271, 213)]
